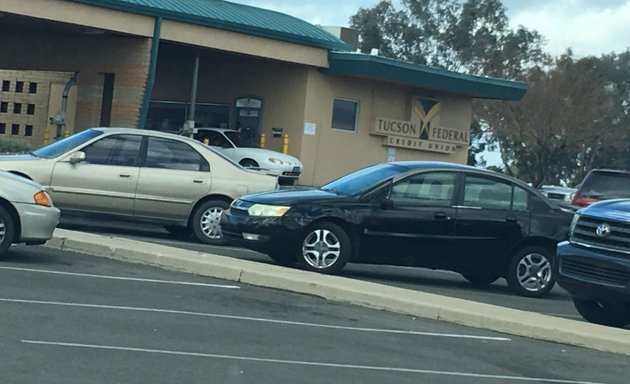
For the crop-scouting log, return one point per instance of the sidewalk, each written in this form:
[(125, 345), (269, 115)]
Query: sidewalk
[(404, 301)]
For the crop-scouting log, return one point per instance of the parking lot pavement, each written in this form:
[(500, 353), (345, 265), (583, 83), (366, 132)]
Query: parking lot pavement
[(557, 303), (72, 318)]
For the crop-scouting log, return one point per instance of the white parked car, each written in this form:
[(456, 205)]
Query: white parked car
[(236, 147), (27, 214)]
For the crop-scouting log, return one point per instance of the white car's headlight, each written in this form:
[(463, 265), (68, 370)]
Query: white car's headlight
[(267, 210), (275, 161)]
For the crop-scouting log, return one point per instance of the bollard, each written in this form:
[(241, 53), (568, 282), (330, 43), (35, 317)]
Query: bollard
[(262, 140), (285, 144), (66, 133), (46, 136), (206, 141)]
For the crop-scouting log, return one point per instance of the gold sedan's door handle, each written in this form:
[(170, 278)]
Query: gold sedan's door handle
[(125, 175), (198, 181)]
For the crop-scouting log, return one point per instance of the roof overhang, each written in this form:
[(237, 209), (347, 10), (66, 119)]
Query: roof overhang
[(231, 17), (381, 68)]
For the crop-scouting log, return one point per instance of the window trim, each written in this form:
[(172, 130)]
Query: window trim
[(356, 115)]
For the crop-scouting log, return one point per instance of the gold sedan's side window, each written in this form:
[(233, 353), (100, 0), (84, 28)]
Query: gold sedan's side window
[(118, 150), (173, 154)]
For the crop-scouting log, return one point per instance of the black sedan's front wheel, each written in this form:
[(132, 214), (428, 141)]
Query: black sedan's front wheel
[(326, 248), (530, 272), (598, 313)]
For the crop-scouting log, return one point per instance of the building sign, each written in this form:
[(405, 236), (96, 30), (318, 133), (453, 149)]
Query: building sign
[(420, 133)]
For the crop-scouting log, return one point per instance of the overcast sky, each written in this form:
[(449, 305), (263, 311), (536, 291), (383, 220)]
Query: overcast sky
[(590, 27)]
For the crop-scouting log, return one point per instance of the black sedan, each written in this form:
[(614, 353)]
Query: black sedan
[(481, 224)]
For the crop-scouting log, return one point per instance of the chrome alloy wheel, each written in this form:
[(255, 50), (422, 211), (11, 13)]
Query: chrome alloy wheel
[(3, 230), (534, 272), (321, 248), (211, 223)]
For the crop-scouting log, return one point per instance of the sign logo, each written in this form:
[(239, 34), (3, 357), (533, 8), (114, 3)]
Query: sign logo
[(423, 132), (603, 230)]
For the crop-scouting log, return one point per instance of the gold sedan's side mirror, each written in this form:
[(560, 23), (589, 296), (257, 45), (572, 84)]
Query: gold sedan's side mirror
[(77, 157)]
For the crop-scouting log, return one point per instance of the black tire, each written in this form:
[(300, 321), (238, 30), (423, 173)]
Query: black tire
[(248, 163), (530, 272), (284, 260), (205, 222), (480, 278), (594, 312), (7, 230), (328, 240), (178, 230)]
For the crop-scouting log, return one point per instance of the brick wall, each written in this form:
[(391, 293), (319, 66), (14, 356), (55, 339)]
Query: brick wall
[(91, 56), (24, 103)]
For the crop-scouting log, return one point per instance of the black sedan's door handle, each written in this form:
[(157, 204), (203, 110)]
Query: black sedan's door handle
[(441, 216), (511, 219)]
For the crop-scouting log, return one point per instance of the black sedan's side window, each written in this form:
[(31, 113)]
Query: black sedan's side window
[(494, 194), (428, 189), (120, 150)]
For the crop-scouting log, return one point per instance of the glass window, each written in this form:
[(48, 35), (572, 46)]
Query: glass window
[(119, 150), (431, 189), (173, 154), (60, 147), (520, 202), (214, 138), (345, 114), (487, 193), (365, 179)]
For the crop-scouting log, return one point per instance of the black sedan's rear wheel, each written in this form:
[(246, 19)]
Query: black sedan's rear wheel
[(530, 272), (598, 313), (326, 248), (7, 230)]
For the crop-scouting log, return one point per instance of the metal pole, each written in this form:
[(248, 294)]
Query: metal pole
[(193, 96), (148, 91)]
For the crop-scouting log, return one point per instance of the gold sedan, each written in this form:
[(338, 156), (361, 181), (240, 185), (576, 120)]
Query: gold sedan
[(141, 175)]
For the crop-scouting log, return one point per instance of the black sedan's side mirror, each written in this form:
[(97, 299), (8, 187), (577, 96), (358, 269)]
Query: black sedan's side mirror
[(387, 203)]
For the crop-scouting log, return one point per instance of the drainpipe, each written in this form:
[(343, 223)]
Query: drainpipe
[(148, 90), (189, 127), (60, 117)]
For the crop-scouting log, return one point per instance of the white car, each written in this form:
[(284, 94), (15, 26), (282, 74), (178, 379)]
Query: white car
[(233, 145), (27, 214)]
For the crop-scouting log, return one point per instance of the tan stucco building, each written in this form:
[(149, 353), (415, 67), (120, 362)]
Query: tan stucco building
[(132, 63)]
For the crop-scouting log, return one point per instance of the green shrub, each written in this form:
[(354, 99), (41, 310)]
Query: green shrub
[(14, 146)]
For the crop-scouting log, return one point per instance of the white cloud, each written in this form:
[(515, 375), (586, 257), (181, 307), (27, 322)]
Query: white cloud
[(588, 31)]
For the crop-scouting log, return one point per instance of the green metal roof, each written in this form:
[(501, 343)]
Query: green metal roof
[(378, 67), (229, 16)]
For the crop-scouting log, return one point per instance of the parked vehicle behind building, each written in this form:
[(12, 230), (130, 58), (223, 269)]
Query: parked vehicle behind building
[(27, 214), (423, 214), (594, 265), (248, 154), (602, 184), (140, 175)]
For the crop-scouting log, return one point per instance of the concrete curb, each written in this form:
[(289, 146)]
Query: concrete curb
[(404, 301)]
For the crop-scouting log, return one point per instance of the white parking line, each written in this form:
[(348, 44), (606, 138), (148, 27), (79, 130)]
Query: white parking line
[(255, 319), (309, 363), (121, 278)]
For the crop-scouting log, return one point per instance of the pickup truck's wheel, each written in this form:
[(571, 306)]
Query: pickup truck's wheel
[(326, 248), (206, 222), (7, 230), (530, 272), (597, 313)]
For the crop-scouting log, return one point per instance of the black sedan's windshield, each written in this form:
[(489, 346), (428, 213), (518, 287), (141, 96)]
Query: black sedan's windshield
[(60, 147), (364, 179)]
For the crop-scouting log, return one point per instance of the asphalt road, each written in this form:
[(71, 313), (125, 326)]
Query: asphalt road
[(71, 318), (557, 303)]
